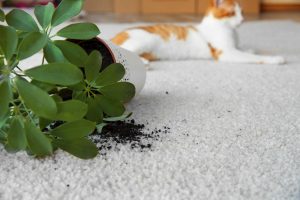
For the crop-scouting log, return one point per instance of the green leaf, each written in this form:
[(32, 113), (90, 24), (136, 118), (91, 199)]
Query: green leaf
[(36, 99), (43, 123), (111, 107), (6, 96), (95, 112), (121, 91), (16, 135), (44, 14), (79, 86), (79, 95), (1, 60), (22, 34), (3, 138), (4, 119), (100, 127), (32, 44), (71, 110), (120, 118), (81, 148), (72, 52), (37, 141), (113, 73), (75, 31), (53, 53), (9, 149), (21, 20), (93, 65), (66, 10), (75, 129), (2, 15), (44, 86), (56, 73), (8, 41), (57, 98)]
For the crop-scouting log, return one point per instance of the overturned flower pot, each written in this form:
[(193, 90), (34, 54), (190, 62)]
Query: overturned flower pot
[(135, 69), (54, 93)]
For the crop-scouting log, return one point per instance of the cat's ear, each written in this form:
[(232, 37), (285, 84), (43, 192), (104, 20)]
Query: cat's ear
[(217, 3)]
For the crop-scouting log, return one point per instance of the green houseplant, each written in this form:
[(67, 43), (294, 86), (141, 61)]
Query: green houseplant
[(59, 103)]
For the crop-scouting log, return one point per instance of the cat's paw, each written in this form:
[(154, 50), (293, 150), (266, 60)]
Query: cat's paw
[(275, 60), (145, 61)]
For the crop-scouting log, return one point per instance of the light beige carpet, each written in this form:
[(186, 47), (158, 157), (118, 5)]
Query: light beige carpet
[(235, 134)]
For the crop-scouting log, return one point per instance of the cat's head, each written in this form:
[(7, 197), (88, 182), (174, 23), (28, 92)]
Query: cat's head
[(228, 11)]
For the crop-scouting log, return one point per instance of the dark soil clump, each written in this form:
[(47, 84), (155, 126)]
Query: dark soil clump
[(127, 132)]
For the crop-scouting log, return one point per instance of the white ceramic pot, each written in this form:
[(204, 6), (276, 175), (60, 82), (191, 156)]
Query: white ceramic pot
[(135, 68)]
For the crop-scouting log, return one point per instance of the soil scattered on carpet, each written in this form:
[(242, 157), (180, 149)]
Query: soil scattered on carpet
[(127, 133)]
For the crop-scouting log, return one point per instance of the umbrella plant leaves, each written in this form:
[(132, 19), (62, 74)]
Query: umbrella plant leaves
[(75, 129), (53, 54), (6, 96), (93, 65), (43, 123), (2, 15), (70, 88), (121, 91), (81, 148), (80, 95), (111, 107), (113, 73), (56, 73), (44, 14), (75, 31), (32, 44), (72, 52), (120, 118), (44, 86), (4, 119), (21, 20), (16, 135), (37, 141), (95, 112), (36, 99), (66, 10), (71, 110), (8, 41)]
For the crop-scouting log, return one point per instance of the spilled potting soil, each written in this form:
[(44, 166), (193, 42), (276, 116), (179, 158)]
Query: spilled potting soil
[(118, 133), (137, 136)]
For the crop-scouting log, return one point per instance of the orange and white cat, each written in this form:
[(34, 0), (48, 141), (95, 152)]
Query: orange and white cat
[(214, 38)]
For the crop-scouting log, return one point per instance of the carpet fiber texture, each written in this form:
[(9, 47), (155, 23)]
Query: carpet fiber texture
[(235, 134)]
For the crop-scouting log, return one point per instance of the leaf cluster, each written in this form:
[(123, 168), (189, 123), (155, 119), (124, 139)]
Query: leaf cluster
[(36, 115)]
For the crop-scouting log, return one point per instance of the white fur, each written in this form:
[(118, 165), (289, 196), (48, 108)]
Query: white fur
[(219, 33)]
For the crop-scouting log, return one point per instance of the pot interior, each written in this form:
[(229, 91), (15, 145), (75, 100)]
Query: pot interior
[(97, 44)]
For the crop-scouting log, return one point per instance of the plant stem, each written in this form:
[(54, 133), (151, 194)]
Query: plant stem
[(19, 68), (15, 73), (27, 111), (52, 36), (43, 60), (14, 64)]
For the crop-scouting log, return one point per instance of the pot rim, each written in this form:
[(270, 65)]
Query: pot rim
[(108, 47)]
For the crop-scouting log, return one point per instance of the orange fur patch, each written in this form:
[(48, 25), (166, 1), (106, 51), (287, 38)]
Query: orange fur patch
[(167, 30), (225, 9), (148, 56), (215, 53), (120, 38)]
